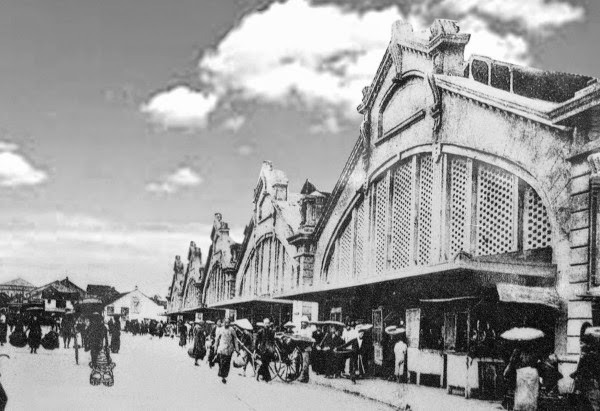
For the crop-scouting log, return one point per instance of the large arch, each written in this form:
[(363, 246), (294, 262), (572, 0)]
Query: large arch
[(268, 269), (484, 205), (215, 289)]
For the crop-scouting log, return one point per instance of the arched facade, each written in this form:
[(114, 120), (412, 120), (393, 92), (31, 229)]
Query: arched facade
[(422, 212), (216, 287), (269, 270)]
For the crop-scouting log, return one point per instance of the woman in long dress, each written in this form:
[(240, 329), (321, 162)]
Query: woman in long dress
[(199, 343), (3, 329), (115, 334), (182, 335), (35, 335)]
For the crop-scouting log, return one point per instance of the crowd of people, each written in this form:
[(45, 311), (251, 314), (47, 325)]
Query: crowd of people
[(334, 350)]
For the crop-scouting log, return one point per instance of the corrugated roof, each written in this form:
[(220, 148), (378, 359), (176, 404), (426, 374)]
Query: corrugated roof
[(19, 282)]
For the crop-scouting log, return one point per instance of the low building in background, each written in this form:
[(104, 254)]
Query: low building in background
[(58, 296), (134, 305), (104, 293)]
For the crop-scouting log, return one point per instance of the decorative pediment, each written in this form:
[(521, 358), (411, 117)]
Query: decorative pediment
[(438, 49)]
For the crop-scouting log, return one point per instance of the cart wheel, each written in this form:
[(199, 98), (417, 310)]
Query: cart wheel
[(290, 366)]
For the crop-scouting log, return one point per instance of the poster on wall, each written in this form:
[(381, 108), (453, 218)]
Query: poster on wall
[(199, 316), (413, 326), (135, 304)]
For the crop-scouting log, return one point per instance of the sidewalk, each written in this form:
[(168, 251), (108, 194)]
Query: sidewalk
[(402, 395)]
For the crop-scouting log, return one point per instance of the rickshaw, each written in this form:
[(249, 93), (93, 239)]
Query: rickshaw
[(288, 349)]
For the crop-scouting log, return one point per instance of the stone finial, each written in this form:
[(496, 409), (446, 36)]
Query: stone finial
[(443, 26)]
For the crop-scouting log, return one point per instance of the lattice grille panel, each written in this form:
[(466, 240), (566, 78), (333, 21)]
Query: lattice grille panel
[(360, 240), (425, 210), (346, 252), (459, 186), (381, 205), (402, 226), (496, 211), (536, 226)]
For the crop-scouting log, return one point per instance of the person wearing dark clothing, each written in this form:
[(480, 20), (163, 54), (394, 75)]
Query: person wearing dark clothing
[(199, 343), (337, 362), (182, 335), (265, 346), (360, 348), (35, 335), (316, 359), (97, 337), (3, 329), (115, 336), (326, 348), (67, 330), (587, 374)]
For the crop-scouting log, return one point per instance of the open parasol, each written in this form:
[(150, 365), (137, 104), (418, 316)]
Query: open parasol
[(335, 323), (522, 334), (289, 324), (364, 327), (394, 330), (243, 323)]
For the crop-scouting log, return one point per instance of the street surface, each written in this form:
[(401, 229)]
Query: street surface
[(153, 374)]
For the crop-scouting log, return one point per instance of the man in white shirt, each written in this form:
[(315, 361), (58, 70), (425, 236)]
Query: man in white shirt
[(305, 331)]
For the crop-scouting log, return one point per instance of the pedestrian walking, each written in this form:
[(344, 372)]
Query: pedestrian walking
[(97, 336), (199, 342), (3, 328), (115, 336), (67, 330), (182, 335), (305, 331), (265, 345), (226, 344), (400, 350), (212, 356), (587, 375), (34, 338)]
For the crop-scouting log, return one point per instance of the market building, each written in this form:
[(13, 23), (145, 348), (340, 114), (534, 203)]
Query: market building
[(467, 206), (184, 301), (267, 264)]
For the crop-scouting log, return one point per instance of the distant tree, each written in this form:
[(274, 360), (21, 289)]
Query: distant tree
[(159, 300)]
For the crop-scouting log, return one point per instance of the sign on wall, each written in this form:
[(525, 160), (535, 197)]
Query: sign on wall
[(413, 326), (135, 304)]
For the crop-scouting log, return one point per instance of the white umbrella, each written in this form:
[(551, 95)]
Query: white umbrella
[(522, 334), (243, 323)]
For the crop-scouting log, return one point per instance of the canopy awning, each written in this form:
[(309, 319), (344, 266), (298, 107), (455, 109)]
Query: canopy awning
[(513, 293), (449, 300), (191, 310), (249, 301), (488, 271)]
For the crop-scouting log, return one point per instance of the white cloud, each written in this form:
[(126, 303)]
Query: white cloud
[(245, 150), (234, 123), (180, 107), (15, 170), (183, 177), (510, 47), (531, 14), (329, 124), (322, 55)]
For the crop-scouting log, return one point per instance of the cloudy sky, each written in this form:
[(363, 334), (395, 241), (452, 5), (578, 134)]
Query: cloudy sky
[(126, 124)]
